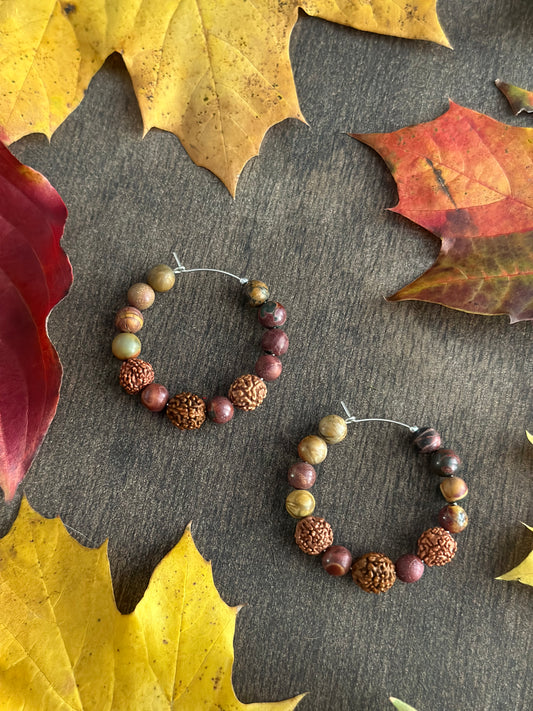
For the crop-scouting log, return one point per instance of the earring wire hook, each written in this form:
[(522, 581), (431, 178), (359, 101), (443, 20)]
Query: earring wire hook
[(180, 269), (350, 420)]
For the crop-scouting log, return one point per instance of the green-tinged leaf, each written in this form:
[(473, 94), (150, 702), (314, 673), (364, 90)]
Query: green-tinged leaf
[(523, 572), (519, 99), (400, 705), (529, 436)]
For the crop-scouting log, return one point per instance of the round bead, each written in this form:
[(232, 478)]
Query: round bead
[(247, 392), (271, 314), (135, 374), (154, 397), (141, 296), (333, 428), (220, 409), (453, 518), (444, 462), (427, 439), (268, 367), (312, 449), (337, 560), (161, 277), (374, 572), (436, 546), (409, 568), (300, 503), (301, 475), (186, 411), (453, 488), (313, 535), (275, 341), (256, 292), (129, 320), (125, 345)]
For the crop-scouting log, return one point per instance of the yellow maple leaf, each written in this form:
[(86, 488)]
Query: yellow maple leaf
[(64, 645), (216, 73), (523, 572)]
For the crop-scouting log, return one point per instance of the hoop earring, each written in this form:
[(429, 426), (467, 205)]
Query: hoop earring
[(375, 572), (188, 411)]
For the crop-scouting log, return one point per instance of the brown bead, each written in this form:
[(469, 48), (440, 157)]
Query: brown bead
[(453, 518), (135, 374), (154, 397), (453, 488), (445, 462), (436, 546), (300, 503), (409, 568), (301, 475), (333, 429), (129, 320), (161, 277), (141, 296), (268, 367), (256, 292), (427, 439), (374, 572), (220, 409), (186, 411), (275, 341), (312, 449), (336, 560), (313, 535), (247, 392), (271, 314)]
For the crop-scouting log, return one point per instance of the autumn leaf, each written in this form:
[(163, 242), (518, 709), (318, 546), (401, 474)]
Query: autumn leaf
[(216, 73), (523, 572), (400, 705), (64, 645), (468, 179), (529, 436), (35, 275), (519, 99)]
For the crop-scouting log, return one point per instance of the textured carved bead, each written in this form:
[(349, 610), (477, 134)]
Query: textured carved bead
[(186, 411), (247, 392), (436, 546), (135, 374), (313, 535), (374, 572)]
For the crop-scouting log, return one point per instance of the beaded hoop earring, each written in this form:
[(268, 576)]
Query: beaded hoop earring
[(375, 572), (188, 411)]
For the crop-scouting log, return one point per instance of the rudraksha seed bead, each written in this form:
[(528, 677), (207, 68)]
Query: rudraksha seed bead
[(333, 429), (129, 320), (154, 397), (427, 440), (271, 314), (453, 518), (336, 560), (409, 568), (268, 367), (135, 374), (186, 411), (301, 475), (256, 292), (453, 488), (300, 503), (220, 409), (436, 546), (445, 462), (374, 572), (141, 296), (313, 535), (275, 341), (312, 449), (247, 392)]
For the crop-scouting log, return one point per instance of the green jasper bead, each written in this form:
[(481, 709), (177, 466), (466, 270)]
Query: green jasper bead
[(161, 278), (126, 345)]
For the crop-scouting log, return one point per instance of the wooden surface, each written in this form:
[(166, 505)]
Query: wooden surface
[(310, 220)]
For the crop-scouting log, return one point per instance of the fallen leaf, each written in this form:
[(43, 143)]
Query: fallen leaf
[(468, 179), (216, 73), (519, 99), (529, 436), (35, 275), (64, 644), (400, 705), (523, 572)]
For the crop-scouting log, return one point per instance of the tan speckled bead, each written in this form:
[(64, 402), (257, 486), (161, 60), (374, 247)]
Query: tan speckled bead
[(333, 429), (256, 292), (312, 449), (300, 503), (161, 278), (141, 296)]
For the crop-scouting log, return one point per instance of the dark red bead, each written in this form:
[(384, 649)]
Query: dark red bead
[(445, 462), (268, 367), (155, 397), (337, 560), (275, 341), (409, 568), (301, 475), (427, 439), (271, 314), (220, 409), (453, 518)]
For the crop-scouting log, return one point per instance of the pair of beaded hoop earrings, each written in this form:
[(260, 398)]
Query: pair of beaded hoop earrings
[(373, 572)]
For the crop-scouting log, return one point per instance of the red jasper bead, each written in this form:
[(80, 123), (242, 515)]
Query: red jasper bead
[(337, 560), (301, 475), (155, 397), (220, 409), (268, 367), (275, 341), (445, 462), (271, 314), (409, 568), (427, 439)]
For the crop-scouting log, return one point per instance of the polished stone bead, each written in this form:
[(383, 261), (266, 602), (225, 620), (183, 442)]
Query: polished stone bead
[(409, 568), (445, 462), (300, 503), (268, 367), (155, 397), (271, 314), (301, 475), (141, 296), (129, 320), (312, 449), (161, 278), (275, 341), (453, 488), (333, 429), (256, 292), (220, 409), (453, 518), (427, 439), (126, 345), (337, 560)]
